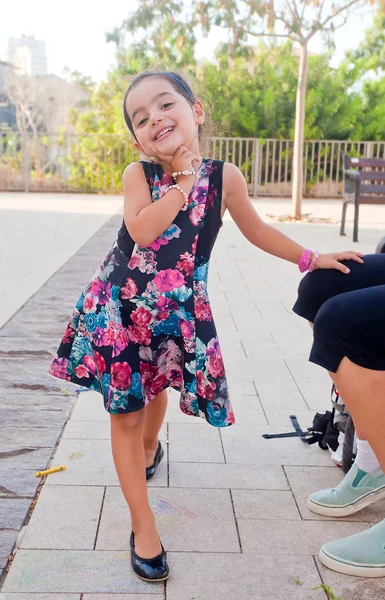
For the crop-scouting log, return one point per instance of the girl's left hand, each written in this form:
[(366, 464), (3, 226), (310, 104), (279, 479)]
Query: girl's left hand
[(332, 261)]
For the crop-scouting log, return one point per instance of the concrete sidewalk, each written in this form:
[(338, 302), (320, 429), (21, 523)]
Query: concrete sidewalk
[(231, 506)]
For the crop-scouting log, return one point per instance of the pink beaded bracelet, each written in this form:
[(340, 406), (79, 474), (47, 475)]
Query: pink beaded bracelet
[(304, 261)]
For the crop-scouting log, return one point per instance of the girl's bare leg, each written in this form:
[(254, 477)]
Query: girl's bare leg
[(363, 391), (128, 454), (153, 420)]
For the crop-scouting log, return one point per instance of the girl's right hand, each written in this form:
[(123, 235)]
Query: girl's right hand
[(183, 160)]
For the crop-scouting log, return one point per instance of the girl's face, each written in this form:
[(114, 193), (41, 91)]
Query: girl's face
[(162, 119)]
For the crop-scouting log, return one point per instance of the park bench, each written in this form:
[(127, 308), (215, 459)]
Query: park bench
[(364, 183)]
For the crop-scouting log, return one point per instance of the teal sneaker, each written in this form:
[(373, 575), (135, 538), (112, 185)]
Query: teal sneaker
[(357, 490), (360, 555)]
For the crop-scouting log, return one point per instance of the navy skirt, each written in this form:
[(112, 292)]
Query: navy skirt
[(348, 313)]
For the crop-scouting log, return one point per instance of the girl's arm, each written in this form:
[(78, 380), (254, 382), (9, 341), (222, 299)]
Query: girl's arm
[(262, 235), (146, 220)]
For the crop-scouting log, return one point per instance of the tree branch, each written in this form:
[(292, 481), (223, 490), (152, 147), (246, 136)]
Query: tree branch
[(269, 34), (338, 12)]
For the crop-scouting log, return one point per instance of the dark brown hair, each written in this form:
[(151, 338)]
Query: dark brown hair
[(180, 85)]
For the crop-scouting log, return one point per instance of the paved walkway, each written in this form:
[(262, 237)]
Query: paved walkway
[(231, 506)]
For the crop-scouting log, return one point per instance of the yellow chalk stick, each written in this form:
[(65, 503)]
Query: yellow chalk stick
[(48, 471)]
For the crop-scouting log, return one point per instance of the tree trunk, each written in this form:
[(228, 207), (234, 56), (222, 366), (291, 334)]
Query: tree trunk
[(299, 133)]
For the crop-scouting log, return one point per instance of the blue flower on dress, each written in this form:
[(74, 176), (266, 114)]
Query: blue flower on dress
[(80, 302), (91, 321), (136, 386), (181, 294), (102, 319), (217, 414), (201, 273), (106, 380), (192, 387), (169, 326), (115, 291), (80, 347)]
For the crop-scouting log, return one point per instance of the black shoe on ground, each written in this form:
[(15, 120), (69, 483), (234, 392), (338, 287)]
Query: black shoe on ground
[(149, 569), (159, 454)]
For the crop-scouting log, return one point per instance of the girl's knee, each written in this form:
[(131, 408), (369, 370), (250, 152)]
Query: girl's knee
[(128, 421)]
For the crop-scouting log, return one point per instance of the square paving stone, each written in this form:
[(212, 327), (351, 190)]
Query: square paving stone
[(256, 349), (280, 396), (29, 457), (304, 481), (190, 520), (264, 504), (75, 571), (317, 395), (11, 596), (292, 537), (7, 542), (29, 436), (241, 577), (281, 418), (89, 407), (65, 518), (189, 443), (306, 372), (352, 588), (121, 596), (32, 417), (91, 464), (13, 512), (96, 430), (247, 410), (18, 482), (224, 476), (259, 369), (246, 445), (240, 387)]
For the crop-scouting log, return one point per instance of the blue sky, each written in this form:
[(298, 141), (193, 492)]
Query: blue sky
[(75, 32)]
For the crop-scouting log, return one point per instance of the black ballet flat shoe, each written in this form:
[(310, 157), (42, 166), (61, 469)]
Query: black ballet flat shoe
[(149, 569), (159, 454)]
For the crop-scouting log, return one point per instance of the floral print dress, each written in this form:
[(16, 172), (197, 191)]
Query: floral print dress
[(144, 322)]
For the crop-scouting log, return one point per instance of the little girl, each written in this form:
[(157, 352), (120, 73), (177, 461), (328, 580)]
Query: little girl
[(144, 322)]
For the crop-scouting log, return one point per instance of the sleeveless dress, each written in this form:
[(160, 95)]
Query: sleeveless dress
[(144, 322)]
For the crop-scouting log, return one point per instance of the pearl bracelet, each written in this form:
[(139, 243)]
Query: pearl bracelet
[(177, 187), (177, 173), (314, 261)]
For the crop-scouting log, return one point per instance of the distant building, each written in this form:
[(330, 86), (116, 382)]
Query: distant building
[(7, 110), (28, 55)]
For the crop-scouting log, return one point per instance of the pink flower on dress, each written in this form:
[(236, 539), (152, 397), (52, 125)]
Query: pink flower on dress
[(187, 329), (90, 364), (100, 363), (205, 387), (168, 280), (58, 367), (230, 418), (196, 214), (194, 246), (129, 290), (108, 334), (101, 289), (68, 335), (147, 374), (203, 311), (120, 341), (139, 335), (215, 366), (164, 305), (81, 371), (158, 384), (90, 303), (186, 263), (141, 316), (121, 375)]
